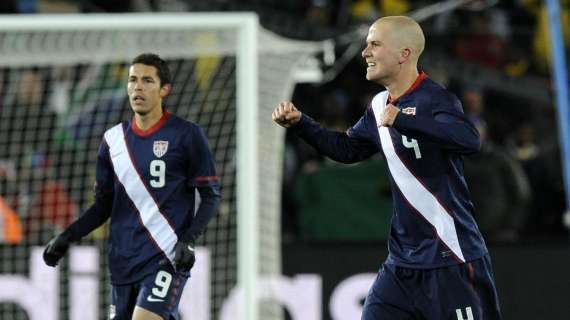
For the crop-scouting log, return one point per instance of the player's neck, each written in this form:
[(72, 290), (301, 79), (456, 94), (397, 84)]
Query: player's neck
[(148, 120), (402, 83)]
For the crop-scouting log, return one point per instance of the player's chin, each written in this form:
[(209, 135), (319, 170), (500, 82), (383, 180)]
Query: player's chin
[(141, 112), (139, 109), (371, 75)]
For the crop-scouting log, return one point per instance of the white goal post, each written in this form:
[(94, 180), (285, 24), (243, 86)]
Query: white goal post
[(263, 75)]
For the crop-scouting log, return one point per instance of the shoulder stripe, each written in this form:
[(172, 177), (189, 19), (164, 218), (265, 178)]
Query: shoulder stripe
[(206, 178)]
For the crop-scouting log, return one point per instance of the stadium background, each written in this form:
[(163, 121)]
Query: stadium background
[(494, 55)]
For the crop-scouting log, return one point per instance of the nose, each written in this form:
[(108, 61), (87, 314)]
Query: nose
[(365, 52)]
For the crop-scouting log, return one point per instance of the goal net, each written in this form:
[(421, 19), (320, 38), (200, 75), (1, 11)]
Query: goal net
[(63, 83)]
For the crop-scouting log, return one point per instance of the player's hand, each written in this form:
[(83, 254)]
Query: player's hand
[(184, 257), (286, 114), (56, 249), (388, 116)]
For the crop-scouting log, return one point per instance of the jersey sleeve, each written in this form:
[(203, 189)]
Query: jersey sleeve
[(363, 128), (447, 126), (104, 180), (100, 210), (201, 171), (351, 146), (202, 177)]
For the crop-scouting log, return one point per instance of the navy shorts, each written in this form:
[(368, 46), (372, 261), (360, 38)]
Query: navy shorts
[(459, 292), (159, 292)]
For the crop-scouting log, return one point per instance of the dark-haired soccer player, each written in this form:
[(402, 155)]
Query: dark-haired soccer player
[(438, 267), (148, 171)]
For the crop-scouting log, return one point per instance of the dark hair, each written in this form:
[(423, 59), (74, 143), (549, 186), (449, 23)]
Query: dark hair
[(151, 59)]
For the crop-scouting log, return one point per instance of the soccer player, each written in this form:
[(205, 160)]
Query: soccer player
[(438, 267), (148, 171)]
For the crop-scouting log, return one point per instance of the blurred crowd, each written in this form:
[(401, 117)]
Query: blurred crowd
[(494, 55), (34, 155)]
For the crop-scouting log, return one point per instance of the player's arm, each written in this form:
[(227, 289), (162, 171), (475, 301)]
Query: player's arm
[(209, 200), (184, 256), (448, 127), (92, 218), (201, 177), (345, 147)]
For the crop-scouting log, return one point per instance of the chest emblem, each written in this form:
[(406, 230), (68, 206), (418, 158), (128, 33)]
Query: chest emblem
[(159, 148), (409, 110)]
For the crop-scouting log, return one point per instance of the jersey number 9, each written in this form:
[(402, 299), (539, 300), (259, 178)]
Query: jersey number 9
[(158, 172), (162, 282)]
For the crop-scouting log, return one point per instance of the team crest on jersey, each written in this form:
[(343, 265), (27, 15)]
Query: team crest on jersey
[(159, 148), (409, 110)]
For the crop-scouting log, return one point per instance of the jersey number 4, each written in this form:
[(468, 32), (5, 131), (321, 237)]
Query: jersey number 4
[(412, 144), (158, 172)]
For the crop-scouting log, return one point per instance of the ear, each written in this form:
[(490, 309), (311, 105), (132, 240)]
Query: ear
[(165, 90), (405, 55)]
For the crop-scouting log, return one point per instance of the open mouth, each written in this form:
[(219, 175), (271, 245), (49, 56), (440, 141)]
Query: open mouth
[(138, 99)]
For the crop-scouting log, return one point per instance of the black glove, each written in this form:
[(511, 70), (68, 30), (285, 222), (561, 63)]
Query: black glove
[(56, 249), (184, 257)]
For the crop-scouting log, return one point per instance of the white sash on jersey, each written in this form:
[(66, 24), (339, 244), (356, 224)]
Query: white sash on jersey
[(413, 190), (153, 220)]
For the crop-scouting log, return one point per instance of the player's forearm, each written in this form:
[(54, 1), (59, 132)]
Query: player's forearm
[(91, 219), (457, 136), (209, 200), (333, 144)]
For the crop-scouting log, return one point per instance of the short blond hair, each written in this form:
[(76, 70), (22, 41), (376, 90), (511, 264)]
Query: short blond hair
[(406, 32)]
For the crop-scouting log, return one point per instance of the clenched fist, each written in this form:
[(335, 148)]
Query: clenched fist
[(56, 249), (184, 256), (388, 116), (286, 114)]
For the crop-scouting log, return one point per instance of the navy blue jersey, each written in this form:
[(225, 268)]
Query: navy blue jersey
[(432, 223), (151, 178)]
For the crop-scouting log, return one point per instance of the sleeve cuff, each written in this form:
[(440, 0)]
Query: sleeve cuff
[(302, 125), (401, 121)]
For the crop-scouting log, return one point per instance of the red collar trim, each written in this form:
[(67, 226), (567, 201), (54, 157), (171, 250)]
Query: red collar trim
[(421, 77), (151, 130)]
